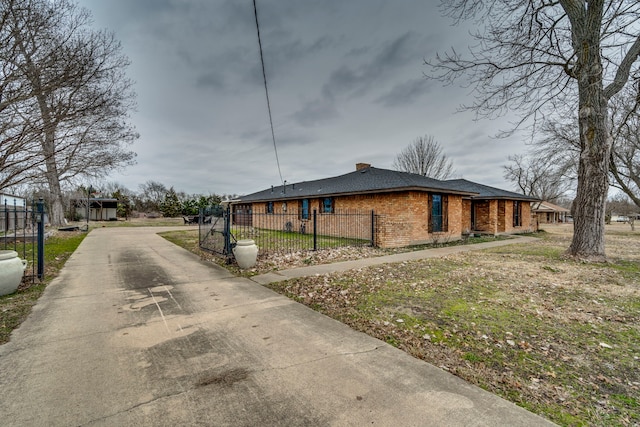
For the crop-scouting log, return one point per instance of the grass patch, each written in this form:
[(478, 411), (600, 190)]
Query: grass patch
[(278, 240), (539, 249), (630, 268), (15, 308), (187, 239)]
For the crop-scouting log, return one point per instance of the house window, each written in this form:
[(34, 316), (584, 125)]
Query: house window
[(269, 207), (438, 211), (304, 209), (327, 205), (517, 213)]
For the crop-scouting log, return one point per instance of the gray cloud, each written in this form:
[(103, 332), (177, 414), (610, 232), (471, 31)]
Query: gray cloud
[(389, 57), (340, 75), (316, 112), (281, 54), (212, 79), (404, 93), (356, 82)]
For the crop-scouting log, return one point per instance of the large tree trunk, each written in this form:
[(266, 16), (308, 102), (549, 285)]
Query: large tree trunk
[(56, 214), (595, 146), (589, 212)]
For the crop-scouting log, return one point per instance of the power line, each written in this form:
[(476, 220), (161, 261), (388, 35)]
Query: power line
[(266, 91)]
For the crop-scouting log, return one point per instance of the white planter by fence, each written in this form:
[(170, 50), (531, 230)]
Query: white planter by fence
[(246, 253), (11, 271)]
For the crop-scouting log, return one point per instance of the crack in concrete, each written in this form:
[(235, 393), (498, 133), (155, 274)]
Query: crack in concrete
[(319, 359), (136, 406)]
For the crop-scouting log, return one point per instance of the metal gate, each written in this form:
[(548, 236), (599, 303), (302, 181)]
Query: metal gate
[(215, 230), (221, 227)]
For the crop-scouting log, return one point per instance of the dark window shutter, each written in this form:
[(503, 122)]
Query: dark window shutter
[(445, 213), (429, 210)]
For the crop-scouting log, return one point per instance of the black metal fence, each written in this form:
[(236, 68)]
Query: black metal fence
[(288, 232), (22, 230)]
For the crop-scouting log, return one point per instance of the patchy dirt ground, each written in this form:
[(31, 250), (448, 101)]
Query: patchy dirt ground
[(558, 337), (274, 261), (286, 261)]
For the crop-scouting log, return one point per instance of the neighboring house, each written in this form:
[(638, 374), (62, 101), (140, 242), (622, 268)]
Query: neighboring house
[(548, 213), (13, 212), (410, 209), (622, 218), (100, 209), (9, 200)]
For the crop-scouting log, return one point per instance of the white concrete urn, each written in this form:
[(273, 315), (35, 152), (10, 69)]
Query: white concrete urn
[(246, 253), (11, 271)]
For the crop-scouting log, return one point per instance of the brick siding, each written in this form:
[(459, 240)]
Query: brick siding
[(496, 217), (402, 218)]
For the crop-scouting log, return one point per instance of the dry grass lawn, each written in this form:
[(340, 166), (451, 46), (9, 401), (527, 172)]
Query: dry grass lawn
[(556, 336)]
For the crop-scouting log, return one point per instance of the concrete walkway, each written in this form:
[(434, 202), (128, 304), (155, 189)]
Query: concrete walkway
[(138, 332)]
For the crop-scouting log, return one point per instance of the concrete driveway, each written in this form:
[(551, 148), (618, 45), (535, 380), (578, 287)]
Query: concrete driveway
[(136, 331)]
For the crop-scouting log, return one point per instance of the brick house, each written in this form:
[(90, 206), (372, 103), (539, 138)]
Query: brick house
[(548, 213), (409, 209), (493, 210)]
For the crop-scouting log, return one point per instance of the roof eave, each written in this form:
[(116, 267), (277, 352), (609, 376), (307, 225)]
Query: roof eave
[(357, 193), (521, 199)]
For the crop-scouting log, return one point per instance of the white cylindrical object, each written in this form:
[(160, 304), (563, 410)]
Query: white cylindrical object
[(11, 271), (246, 253)]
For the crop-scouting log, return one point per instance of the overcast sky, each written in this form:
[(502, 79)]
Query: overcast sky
[(346, 84)]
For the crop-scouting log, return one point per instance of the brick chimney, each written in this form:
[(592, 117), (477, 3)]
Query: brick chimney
[(360, 166)]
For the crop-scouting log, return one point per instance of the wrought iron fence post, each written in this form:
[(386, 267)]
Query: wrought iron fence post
[(15, 225), (227, 231), (315, 230), (40, 220), (373, 229), (5, 223), (24, 228)]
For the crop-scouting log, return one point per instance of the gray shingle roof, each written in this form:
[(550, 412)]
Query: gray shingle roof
[(374, 180), (486, 192), (368, 180)]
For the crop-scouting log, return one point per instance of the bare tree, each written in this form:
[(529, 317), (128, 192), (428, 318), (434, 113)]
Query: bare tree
[(532, 56), (537, 177), (625, 155), (152, 195), (424, 157), (561, 144), (78, 95), (18, 148), (622, 206)]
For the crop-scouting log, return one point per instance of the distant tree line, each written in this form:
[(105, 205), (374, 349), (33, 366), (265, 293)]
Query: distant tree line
[(153, 198)]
